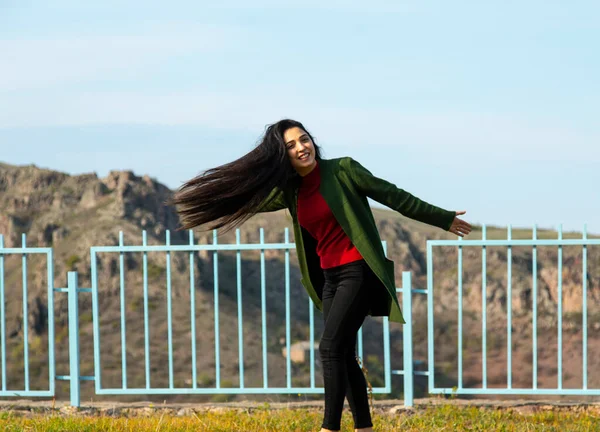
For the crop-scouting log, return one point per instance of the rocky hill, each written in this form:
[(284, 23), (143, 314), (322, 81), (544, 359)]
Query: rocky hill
[(72, 213)]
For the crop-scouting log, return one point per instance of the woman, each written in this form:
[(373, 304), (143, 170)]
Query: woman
[(342, 262)]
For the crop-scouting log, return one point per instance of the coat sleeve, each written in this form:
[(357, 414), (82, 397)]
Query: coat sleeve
[(398, 199), (273, 202)]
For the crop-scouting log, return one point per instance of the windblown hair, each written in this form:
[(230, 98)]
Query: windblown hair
[(230, 194)]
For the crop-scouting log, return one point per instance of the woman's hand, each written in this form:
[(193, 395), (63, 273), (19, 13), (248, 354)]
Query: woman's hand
[(460, 227)]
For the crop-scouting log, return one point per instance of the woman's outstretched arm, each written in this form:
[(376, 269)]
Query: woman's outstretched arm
[(403, 202)]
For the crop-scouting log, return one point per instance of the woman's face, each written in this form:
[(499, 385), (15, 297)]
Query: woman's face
[(300, 149)]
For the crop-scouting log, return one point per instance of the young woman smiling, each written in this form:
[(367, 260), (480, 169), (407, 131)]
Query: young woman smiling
[(342, 262)]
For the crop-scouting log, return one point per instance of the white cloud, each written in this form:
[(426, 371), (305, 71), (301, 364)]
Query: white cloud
[(44, 63), (461, 137), (466, 136)]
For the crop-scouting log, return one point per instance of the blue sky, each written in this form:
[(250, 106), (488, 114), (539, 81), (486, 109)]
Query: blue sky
[(490, 107)]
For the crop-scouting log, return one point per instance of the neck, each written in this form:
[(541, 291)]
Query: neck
[(306, 171)]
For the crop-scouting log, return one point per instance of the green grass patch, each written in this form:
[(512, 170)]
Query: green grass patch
[(438, 418)]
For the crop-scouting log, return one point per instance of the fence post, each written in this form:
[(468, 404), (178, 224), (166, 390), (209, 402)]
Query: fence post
[(74, 339), (407, 337)]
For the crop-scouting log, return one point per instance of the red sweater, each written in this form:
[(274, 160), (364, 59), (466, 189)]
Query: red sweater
[(333, 245)]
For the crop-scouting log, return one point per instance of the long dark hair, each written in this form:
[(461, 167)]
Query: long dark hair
[(230, 194)]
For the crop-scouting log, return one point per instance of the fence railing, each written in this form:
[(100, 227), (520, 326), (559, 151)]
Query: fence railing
[(25, 253), (103, 354), (101, 351), (510, 243), (215, 248)]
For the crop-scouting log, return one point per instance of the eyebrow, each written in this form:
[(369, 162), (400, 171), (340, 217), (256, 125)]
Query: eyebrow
[(301, 136)]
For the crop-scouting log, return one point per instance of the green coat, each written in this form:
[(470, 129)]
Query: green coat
[(345, 186)]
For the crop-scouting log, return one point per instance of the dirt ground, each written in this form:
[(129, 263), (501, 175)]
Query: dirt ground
[(392, 406)]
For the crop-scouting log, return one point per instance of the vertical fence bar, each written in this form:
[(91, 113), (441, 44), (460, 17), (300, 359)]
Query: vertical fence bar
[(407, 339), (72, 281), (263, 307), (123, 312), (239, 307), (193, 312), (509, 312), (483, 310), (216, 295), (25, 318), (359, 337), (387, 361), (534, 302), (2, 315), (287, 312), (146, 326), (96, 323), (559, 330), (430, 333), (169, 310), (51, 354), (584, 307), (460, 314)]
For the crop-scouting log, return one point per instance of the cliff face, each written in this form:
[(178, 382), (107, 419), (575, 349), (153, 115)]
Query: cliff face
[(45, 203), (73, 213)]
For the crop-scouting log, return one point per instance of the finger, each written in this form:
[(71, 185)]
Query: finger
[(462, 231), (461, 223), (457, 232), (460, 212), (465, 226)]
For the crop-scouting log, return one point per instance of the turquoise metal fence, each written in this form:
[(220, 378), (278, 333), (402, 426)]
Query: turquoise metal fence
[(25, 252), (460, 244), (73, 290), (406, 291), (192, 249)]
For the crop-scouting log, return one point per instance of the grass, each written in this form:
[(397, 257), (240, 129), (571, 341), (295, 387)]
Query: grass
[(72, 261), (434, 418)]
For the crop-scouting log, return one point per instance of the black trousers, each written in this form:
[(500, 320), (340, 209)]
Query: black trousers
[(345, 306)]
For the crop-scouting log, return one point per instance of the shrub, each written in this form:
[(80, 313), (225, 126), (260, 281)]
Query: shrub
[(72, 261)]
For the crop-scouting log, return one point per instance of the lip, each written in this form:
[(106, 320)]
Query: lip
[(302, 158)]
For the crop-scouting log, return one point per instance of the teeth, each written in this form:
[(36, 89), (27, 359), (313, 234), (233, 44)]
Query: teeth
[(304, 156)]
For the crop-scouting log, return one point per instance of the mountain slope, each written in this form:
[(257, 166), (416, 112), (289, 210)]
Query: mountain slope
[(72, 213)]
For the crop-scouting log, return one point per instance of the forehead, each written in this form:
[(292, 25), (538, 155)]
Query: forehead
[(293, 134)]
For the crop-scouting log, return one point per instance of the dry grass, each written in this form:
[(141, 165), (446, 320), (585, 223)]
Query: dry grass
[(438, 418)]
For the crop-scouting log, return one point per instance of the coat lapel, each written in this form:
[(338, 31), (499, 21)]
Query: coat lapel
[(329, 190), (335, 196)]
